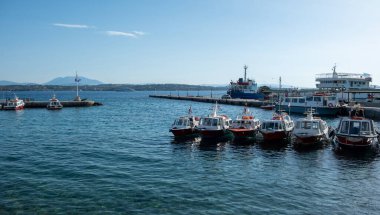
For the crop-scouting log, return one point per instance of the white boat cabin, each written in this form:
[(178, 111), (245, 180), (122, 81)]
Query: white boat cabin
[(245, 123), (216, 122), (185, 122), (356, 127), (311, 101)]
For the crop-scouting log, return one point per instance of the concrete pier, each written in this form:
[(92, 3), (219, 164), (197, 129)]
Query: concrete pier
[(43, 104), (369, 112), (242, 102)]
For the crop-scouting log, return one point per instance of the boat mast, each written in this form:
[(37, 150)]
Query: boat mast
[(77, 80), (245, 73)]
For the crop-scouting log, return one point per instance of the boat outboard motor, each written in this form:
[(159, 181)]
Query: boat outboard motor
[(332, 132)]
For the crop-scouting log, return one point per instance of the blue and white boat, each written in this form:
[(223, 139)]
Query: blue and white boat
[(323, 104), (244, 88)]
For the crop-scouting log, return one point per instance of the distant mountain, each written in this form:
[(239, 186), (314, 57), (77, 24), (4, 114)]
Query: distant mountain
[(4, 83), (68, 81), (7, 83)]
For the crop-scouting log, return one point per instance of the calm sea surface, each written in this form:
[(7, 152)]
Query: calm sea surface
[(121, 158)]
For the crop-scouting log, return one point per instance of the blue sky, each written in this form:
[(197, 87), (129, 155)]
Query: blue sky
[(188, 41)]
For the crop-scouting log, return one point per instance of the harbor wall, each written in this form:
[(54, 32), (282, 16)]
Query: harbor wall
[(242, 102)]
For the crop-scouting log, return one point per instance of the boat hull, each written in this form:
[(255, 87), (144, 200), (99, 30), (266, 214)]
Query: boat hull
[(267, 107), (274, 135), (183, 132), (213, 134), (243, 133), (54, 107), (13, 108), (321, 111), (356, 143)]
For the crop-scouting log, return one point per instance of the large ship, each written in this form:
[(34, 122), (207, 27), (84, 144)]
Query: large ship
[(244, 88), (349, 86)]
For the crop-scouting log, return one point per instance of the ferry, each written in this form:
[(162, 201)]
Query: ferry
[(14, 104), (244, 88), (310, 131), (245, 126), (214, 126), (54, 104), (185, 125), (352, 86), (323, 104), (356, 133), (278, 128)]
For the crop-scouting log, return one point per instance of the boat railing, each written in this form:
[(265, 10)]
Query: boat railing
[(343, 76)]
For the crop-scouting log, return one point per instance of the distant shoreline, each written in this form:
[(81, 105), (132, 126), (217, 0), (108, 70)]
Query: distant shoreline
[(112, 87)]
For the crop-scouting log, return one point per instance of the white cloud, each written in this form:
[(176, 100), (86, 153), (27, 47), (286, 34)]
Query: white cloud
[(139, 33), (71, 25), (120, 33)]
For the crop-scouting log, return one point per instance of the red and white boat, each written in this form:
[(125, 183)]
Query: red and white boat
[(356, 133), (14, 104), (185, 125), (214, 126), (278, 128), (245, 126), (310, 131), (54, 104)]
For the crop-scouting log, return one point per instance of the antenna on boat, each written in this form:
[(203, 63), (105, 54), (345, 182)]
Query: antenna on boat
[(215, 109), (245, 73)]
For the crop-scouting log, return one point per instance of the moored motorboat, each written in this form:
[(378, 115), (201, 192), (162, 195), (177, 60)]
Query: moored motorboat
[(325, 104), (277, 128), (356, 133), (245, 126), (185, 126), (54, 104), (214, 126), (310, 131), (14, 104)]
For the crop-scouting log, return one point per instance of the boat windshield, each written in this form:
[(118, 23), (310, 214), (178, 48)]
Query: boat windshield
[(272, 125), (181, 122), (210, 122), (307, 125), (355, 127)]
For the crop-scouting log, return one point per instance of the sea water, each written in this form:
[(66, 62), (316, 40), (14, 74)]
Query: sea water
[(120, 158)]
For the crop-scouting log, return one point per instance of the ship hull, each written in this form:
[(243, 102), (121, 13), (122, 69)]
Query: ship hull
[(244, 95), (321, 111)]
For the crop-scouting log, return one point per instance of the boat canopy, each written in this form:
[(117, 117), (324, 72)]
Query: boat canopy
[(357, 127)]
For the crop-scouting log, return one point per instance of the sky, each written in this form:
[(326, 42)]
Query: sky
[(188, 41)]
